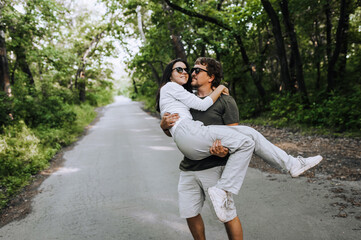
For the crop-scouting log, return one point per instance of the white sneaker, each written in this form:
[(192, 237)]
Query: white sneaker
[(301, 164), (220, 200)]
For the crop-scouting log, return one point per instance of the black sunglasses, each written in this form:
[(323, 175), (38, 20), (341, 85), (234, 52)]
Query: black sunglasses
[(197, 70), (180, 69)]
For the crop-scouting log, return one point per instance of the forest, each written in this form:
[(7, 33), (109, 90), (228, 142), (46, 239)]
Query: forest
[(286, 63)]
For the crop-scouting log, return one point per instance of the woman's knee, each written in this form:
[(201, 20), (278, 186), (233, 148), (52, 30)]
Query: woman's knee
[(250, 144)]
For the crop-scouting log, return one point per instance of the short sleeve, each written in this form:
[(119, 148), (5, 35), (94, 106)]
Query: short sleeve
[(231, 113)]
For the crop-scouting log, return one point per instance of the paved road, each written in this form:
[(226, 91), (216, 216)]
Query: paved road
[(120, 182)]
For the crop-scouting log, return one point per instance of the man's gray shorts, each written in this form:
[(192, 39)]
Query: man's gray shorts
[(193, 191)]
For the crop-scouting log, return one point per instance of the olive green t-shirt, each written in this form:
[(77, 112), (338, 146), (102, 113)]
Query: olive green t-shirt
[(224, 111)]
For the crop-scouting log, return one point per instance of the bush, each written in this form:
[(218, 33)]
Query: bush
[(249, 108), (286, 108), (5, 109), (20, 157), (339, 113), (51, 111), (99, 97)]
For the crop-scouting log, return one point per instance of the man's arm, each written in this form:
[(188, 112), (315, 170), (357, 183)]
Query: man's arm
[(167, 122)]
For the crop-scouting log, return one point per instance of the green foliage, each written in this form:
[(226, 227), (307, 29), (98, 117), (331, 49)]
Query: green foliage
[(337, 112), (248, 108), (5, 110), (286, 108), (20, 157), (148, 91), (247, 25), (42, 108), (100, 95)]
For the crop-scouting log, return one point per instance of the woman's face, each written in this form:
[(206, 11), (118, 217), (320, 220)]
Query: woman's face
[(179, 73)]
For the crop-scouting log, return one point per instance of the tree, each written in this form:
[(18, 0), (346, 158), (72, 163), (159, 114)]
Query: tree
[(341, 37), (277, 33), (220, 23), (295, 53), (261, 47), (4, 66), (80, 83)]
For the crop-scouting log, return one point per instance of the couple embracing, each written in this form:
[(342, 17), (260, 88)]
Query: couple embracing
[(217, 150)]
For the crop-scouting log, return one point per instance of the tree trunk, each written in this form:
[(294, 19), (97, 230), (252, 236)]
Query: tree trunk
[(344, 46), (23, 64), (12, 78), (155, 73), (4, 66), (260, 65), (178, 46), (281, 52), (232, 88), (294, 49), (219, 5), (135, 87), (80, 81), (317, 56), (318, 79), (140, 23), (82, 87), (341, 28), (175, 36), (328, 30)]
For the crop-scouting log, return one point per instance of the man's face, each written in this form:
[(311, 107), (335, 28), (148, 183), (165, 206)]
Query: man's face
[(201, 78)]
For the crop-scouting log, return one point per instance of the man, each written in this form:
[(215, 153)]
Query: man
[(197, 176)]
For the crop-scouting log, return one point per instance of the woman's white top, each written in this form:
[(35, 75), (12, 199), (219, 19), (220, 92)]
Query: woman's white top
[(175, 99)]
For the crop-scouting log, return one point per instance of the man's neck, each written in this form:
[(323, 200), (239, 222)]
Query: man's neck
[(204, 91)]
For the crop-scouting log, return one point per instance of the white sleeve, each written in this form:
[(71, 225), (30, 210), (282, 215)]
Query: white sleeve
[(187, 98)]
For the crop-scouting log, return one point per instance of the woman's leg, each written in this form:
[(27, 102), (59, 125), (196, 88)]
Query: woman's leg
[(276, 156), (266, 150), (241, 148)]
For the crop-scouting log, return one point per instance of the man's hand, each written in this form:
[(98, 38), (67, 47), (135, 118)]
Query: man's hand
[(168, 121), (218, 150)]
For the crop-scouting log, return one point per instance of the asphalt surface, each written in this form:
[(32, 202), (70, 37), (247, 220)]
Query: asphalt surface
[(120, 182)]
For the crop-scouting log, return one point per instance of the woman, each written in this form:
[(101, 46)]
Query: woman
[(194, 139), (174, 96)]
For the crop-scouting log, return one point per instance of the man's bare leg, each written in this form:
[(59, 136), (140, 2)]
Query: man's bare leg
[(234, 229), (196, 226)]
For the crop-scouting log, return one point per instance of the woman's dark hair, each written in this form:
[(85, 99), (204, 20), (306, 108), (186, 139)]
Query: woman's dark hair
[(167, 73)]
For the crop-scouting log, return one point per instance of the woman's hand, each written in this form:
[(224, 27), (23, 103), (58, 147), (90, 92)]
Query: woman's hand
[(225, 90)]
